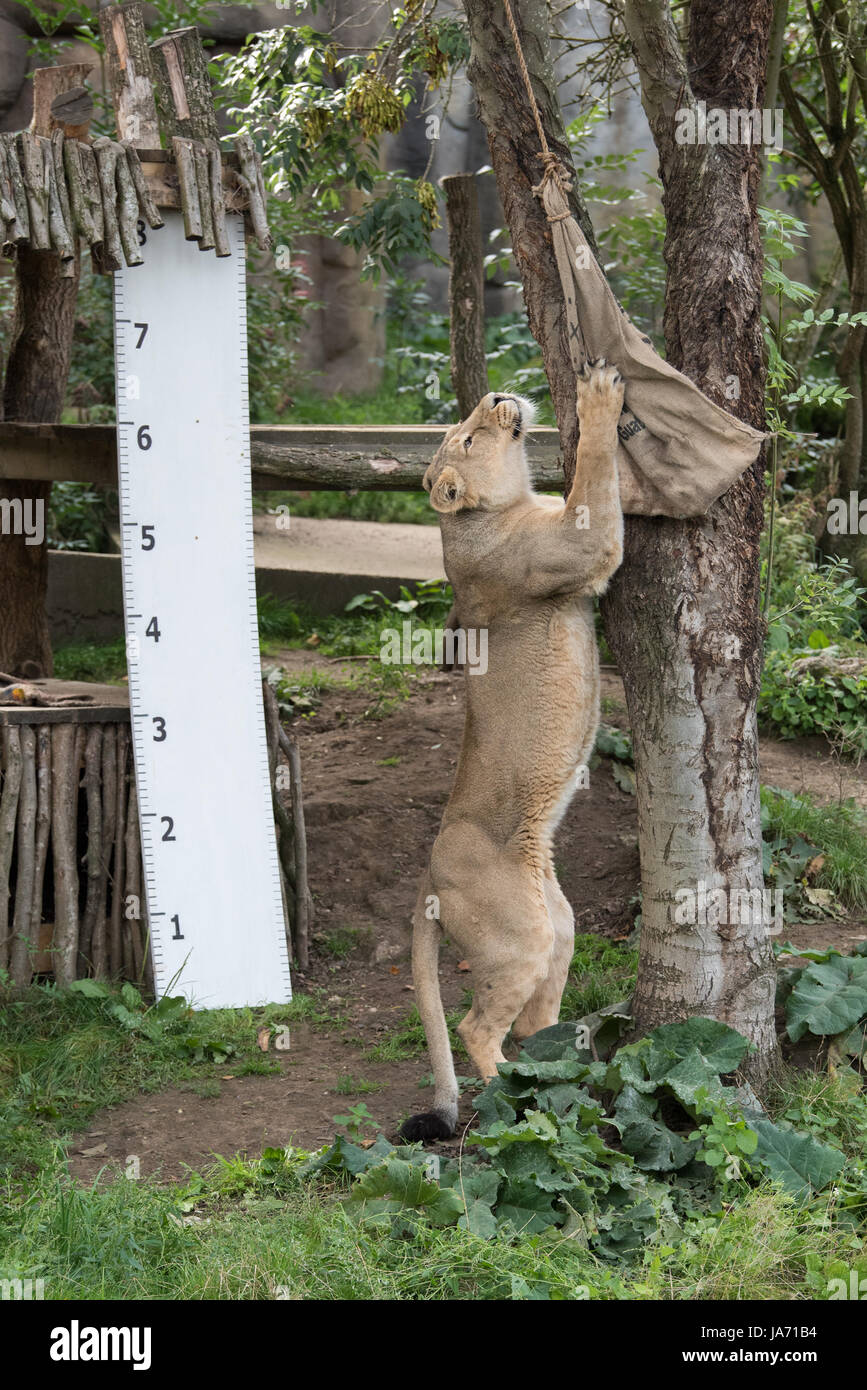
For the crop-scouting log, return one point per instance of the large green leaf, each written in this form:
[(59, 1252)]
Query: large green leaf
[(721, 1048), (396, 1188), (798, 1161), (645, 1138), (527, 1208), (829, 997)]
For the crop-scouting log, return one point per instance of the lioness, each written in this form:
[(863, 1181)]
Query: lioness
[(524, 567)]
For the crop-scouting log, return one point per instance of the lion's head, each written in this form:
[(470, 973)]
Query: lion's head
[(482, 461)]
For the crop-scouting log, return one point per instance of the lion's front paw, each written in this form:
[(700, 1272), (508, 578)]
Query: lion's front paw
[(600, 395)]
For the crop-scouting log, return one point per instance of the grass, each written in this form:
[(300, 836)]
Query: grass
[(260, 1229), (602, 972), (357, 1086), (339, 943), (838, 831), (91, 661)]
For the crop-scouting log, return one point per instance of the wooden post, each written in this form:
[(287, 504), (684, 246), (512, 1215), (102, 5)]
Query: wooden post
[(19, 955), (63, 821), (11, 764), (33, 390), (182, 87), (466, 292), (130, 74), (303, 898)]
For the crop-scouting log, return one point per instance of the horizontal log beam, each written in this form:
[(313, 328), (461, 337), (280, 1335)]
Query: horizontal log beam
[(335, 458)]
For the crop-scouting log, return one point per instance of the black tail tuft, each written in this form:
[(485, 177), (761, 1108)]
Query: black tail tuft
[(425, 1128)]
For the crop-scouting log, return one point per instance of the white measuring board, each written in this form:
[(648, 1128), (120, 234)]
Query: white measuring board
[(209, 851)]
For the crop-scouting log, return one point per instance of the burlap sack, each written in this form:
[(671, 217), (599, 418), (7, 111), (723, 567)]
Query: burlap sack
[(678, 450)]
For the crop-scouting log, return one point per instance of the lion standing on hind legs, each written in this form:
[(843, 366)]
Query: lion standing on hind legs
[(525, 568)]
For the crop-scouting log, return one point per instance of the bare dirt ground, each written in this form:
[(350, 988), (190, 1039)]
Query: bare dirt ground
[(374, 794)]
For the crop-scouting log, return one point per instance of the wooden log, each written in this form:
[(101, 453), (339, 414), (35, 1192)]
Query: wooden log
[(106, 150), (303, 897), (203, 185), (148, 208), (127, 209), (52, 88), (79, 194), (283, 825), (10, 758), (93, 908), (73, 111), (43, 826), (19, 230), (119, 887), (372, 458), (59, 232), (8, 210), (182, 87), (466, 292), (99, 940), (58, 140), (218, 204), (190, 206), (251, 171), (63, 823), (25, 845), (131, 956), (130, 74), (35, 174)]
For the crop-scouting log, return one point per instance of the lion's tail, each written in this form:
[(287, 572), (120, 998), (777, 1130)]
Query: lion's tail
[(441, 1121)]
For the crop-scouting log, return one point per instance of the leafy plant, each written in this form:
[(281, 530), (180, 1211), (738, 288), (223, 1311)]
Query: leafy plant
[(616, 1153)]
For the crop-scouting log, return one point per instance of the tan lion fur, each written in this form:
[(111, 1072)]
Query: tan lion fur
[(525, 569)]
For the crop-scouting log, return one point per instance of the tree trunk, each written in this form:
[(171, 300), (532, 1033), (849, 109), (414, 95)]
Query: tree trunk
[(33, 390), (466, 292), (682, 613)]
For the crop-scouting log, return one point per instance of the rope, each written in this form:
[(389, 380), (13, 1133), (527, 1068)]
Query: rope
[(552, 166)]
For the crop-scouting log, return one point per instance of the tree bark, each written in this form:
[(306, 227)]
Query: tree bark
[(466, 292), (682, 613), (33, 390)]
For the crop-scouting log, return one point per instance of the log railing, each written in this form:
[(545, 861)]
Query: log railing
[(377, 458)]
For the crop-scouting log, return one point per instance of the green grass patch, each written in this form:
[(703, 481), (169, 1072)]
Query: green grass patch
[(92, 661), (838, 831), (602, 972), (357, 1086)]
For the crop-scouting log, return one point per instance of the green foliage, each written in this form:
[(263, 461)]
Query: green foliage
[(91, 661), (616, 1153), (797, 704), (829, 999), (318, 113), (77, 517), (836, 835), (601, 973)]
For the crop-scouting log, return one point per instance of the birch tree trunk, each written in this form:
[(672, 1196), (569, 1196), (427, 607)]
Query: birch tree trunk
[(682, 613)]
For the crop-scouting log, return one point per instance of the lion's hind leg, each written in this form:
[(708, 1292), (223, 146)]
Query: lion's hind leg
[(501, 924), (542, 1009)]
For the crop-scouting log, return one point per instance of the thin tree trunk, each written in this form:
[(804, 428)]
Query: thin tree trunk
[(466, 292), (682, 613)]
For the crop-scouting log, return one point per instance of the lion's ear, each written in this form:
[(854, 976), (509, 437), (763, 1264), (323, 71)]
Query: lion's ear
[(451, 493)]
